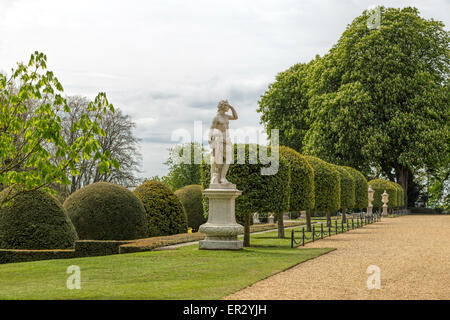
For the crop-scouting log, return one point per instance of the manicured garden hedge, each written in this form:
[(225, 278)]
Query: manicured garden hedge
[(400, 194), (301, 196), (35, 220), (361, 188), (106, 211), (347, 189), (191, 199), (327, 185), (379, 185), (164, 211)]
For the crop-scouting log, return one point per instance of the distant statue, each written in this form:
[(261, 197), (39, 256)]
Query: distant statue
[(220, 143)]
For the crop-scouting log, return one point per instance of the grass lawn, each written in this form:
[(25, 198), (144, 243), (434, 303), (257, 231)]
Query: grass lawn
[(184, 273)]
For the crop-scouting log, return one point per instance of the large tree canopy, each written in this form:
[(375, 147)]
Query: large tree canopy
[(379, 98)]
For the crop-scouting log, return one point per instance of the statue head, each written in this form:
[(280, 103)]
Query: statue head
[(223, 106)]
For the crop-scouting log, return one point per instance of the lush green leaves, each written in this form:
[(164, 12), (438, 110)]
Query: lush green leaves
[(33, 153)]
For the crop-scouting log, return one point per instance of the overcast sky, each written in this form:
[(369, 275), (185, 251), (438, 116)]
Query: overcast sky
[(168, 63)]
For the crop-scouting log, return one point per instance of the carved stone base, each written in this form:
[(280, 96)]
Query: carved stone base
[(385, 211), (369, 210), (221, 230)]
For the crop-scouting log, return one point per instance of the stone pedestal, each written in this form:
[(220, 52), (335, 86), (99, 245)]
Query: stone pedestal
[(221, 229), (369, 209), (385, 211)]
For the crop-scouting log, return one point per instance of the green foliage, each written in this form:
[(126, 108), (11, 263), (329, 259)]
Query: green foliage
[(106, 211), (357, 104), (301, 186), (184, 165), (379, 186), (361, 187), (327, 185), (347, 188), (260, 193), (400, 199), (191, 199), (33, 153), (35, 220), (165, 213)]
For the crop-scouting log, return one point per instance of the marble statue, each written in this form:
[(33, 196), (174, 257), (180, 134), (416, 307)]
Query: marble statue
[(220, 143)]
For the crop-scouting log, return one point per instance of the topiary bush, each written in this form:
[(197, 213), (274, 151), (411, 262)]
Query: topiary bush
[(106, 211), (361, 188), (301, 196), (35, 220), (327, 185), (400, 194), (191, 199), (347, 189), (260, 192), (379, 185), (165, 213)]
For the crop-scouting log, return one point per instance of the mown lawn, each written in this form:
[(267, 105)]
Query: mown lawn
[(184, 273)]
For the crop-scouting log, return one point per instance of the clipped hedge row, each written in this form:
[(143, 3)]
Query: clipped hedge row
[(361, 188), (327, 185), (301, 184), (12, 256), (347, 189)]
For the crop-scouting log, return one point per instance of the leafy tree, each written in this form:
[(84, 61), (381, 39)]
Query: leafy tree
[(379, 98), (33, 152), (183, 169)]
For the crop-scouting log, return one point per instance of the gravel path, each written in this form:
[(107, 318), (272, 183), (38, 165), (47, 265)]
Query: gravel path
[(412, 252)]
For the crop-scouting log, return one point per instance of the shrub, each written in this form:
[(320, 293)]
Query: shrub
[(191, 199), (361, 188), (379, 185), (347, 188), (106, 211), (327, 185), (260, 192), (400, 194), (301, 196), (165, 213), (35, 220)]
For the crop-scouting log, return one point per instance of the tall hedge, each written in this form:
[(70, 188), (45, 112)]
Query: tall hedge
[(327, 185), (400, 194), (191, 199), (347, 189), (35, 220), (106, 211), (361, 188), (301, 196), (165, 213), (379, 185), (260, 193)]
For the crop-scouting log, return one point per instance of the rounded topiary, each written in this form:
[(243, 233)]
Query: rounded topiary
[(361, 188), (191, 199), (327, 185), (379, 186), (165, 213), (35, 220), (347, 188), (400, 194), (301, 196), (106, 211)]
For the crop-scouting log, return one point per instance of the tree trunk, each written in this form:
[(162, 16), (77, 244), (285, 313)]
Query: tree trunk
[(344, 217), (328, 218), (308, 221), (280, 225), (402, 178), (247, 217)]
